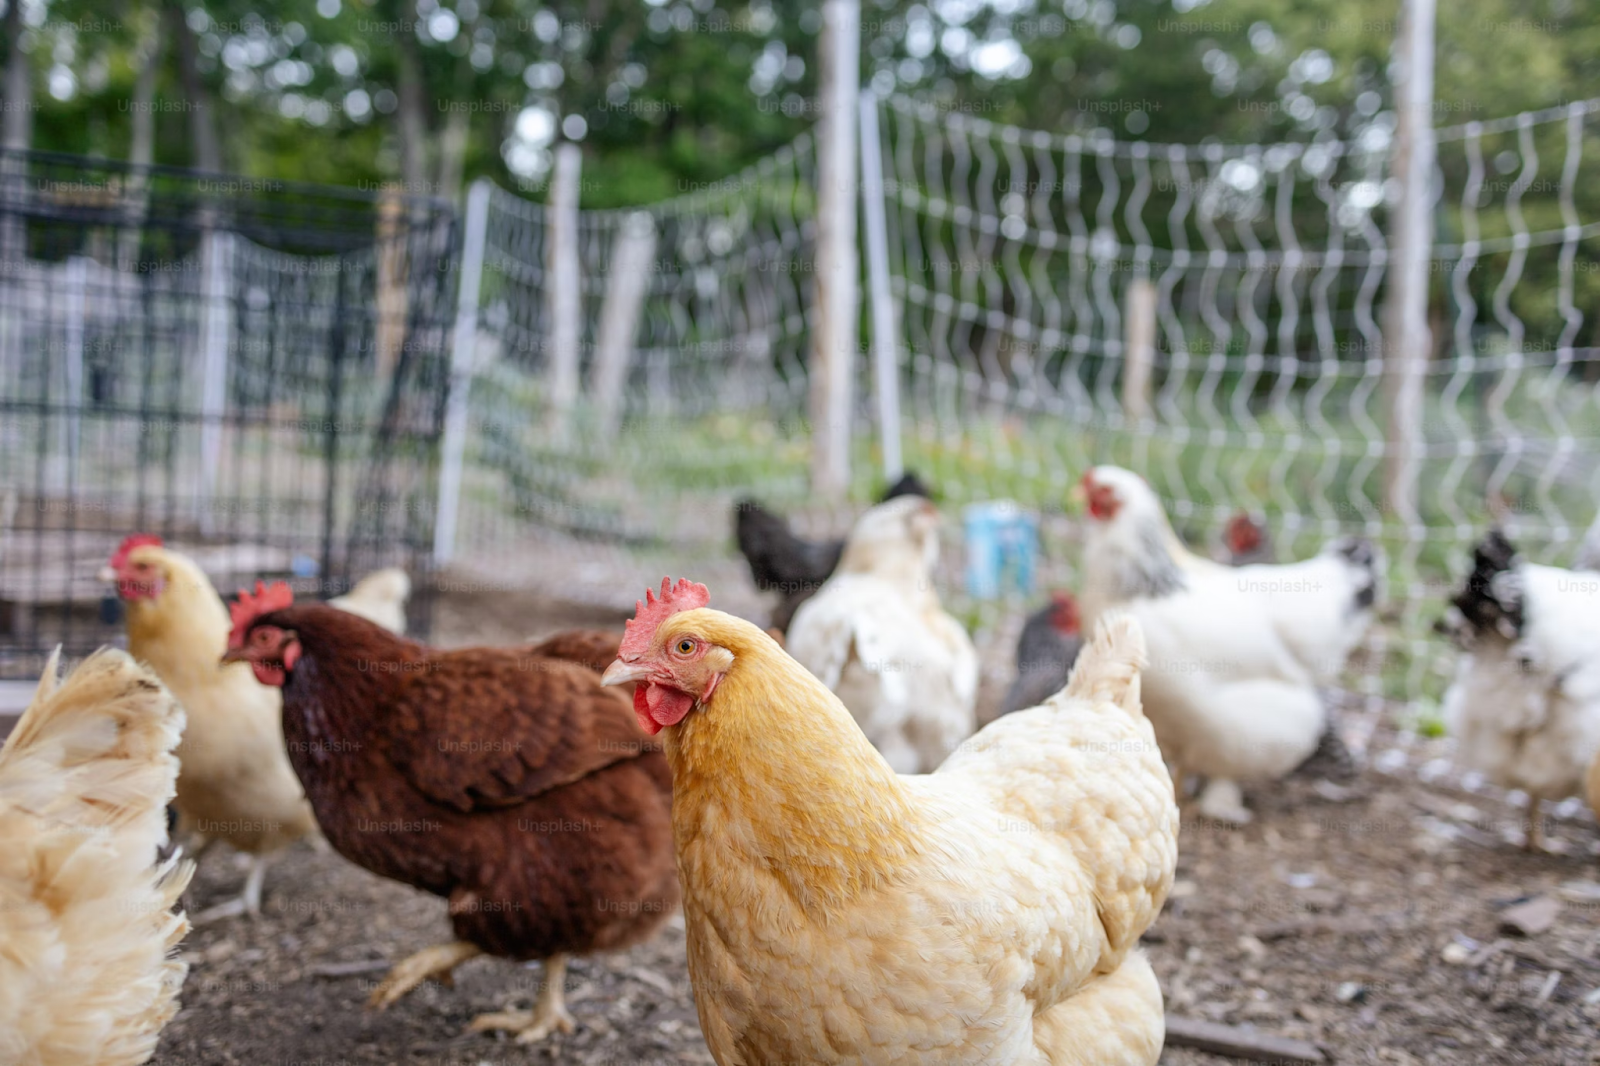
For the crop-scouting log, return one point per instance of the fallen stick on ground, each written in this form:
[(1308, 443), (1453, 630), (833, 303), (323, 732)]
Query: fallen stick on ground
[(1238, 1043), (348, 969)]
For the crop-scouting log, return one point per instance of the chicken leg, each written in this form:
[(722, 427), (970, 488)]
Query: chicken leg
[(549, 1010), (1534, 839), (1223, 801), (437, 962), (248, 902)]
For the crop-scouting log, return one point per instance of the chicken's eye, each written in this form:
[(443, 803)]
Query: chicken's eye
[(685, 646)]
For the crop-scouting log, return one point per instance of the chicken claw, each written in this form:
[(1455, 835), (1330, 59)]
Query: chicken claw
[(1533, 840), (437, 962), (248, 902), (548, 1015), (1222, 801)]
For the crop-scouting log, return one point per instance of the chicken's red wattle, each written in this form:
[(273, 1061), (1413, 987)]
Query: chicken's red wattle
[(658, 706)]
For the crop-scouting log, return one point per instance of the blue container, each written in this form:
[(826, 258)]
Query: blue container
[(1002, 549)]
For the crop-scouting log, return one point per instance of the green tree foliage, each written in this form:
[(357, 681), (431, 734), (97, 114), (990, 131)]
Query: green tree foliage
[(665, 94)]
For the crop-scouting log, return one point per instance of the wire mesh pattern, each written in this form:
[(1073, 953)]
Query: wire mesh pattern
[(252, 370), (711, 400), (1013, 255)]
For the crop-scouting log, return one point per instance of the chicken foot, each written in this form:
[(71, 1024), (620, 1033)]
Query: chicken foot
[(549, 1010), (248, 901), (1533, 840), (1223, 801), (437, 962)]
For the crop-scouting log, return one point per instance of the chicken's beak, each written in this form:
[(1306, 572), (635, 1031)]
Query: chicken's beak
[(107, 575), (235, 655), (621, 673)]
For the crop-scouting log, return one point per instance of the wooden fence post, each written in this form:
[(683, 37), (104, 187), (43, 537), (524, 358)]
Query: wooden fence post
[(216, 340), (76, 282), (835, 329), (1406, 338), (393, 297), (1138, 348), (563, 295), (626, 289), (885, 339), (463, 362)]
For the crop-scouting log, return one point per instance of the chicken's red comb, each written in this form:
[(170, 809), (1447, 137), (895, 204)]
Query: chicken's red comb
[(136, 540), (248, 608), (651, 611)]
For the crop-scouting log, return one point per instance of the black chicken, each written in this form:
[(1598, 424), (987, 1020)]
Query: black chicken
[(789, 565)]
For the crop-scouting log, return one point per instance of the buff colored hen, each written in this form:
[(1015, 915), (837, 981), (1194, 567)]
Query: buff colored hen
[(836, 912), (237, 784)]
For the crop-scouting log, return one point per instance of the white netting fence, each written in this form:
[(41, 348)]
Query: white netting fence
[(1013, 254), (712, 401)]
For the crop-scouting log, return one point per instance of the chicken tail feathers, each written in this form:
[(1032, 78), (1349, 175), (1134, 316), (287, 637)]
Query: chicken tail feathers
[(88, 918), (1108, 668)]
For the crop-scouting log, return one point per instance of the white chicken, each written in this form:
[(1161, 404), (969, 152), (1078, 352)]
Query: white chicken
[(1525, 703), (876, 635), (1236, 653)]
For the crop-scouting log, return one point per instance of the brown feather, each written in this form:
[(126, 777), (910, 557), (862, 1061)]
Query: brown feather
[(592, 648)]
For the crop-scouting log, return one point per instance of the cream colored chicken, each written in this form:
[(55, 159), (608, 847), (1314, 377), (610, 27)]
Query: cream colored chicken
[(379, 597), (876, 635), (87, 927), (989, 912), (236, 785)]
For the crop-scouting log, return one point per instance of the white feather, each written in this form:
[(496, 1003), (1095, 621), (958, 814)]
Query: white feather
[(876, 635)]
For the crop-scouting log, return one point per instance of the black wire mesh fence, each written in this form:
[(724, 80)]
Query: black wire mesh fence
[(254, 370)]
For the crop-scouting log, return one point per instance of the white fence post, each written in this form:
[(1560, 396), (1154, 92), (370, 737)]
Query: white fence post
[(1407, 341), (835, 333), (453, 448), (885, 339), (216, 330), (563, 295), (626, 290)]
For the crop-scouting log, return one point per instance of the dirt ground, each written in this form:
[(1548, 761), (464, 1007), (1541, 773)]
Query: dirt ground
[(1366, 919)]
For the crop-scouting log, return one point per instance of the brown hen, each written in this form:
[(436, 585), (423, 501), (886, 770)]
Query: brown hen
[(506, 780)]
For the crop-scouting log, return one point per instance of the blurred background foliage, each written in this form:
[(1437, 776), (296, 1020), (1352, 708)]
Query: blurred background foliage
[(666, 94)]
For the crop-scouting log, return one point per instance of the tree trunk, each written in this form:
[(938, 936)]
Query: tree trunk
[(412, 110), (141, 148), (452, 154), (207, 152)]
